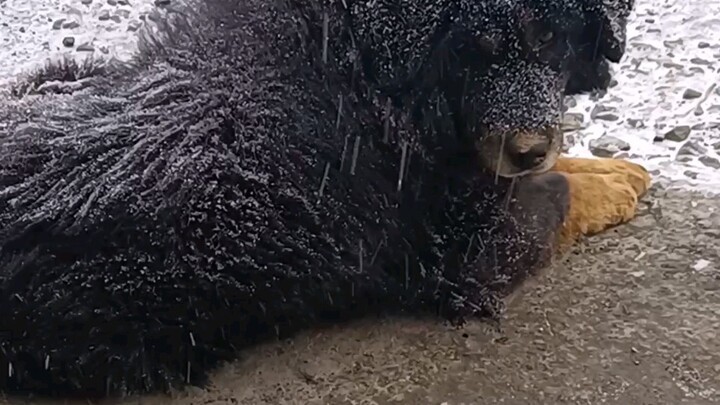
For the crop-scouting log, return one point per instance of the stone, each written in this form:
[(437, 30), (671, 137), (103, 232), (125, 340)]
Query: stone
[(690, 94), (700, 61), (636, 122), (71, 25), (123, 2), (572, 121), (607, 117), (692, 148), (68, 42), (716, 146), (703, 45), (162, 2), (677, 134), (608, 146), (85, 48), (112, 2), (599, 109), (710, 161), (86, 2), (691, 174), (104, 15), (58, 23)]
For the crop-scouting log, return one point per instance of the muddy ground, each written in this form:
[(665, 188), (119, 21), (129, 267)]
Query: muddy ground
[(628, 317)]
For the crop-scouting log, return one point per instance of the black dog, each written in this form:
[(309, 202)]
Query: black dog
[(263, 165)]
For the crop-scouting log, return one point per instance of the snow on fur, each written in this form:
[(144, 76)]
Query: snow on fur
[(261, 166)]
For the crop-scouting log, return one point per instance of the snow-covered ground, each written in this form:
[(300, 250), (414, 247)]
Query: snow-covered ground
[(668, 81)]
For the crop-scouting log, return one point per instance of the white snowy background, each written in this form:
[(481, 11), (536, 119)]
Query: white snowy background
[(663, 109)]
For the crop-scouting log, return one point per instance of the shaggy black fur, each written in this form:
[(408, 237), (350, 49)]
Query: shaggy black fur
[(263, 165)]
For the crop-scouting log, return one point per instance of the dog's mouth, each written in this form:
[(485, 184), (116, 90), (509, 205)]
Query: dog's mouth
[(513, 154)]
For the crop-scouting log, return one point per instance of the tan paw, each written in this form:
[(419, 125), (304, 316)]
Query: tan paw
[(632, 173), (601, 201)]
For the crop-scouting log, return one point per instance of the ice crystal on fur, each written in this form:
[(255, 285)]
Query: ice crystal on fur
[(216, 191)]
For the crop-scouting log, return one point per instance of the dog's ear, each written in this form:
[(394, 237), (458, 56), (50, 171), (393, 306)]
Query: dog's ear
[(611, 19)]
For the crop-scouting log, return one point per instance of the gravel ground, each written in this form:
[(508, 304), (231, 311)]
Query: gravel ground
[(629, 317)]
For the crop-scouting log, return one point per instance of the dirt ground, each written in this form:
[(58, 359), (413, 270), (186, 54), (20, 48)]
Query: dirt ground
[(628, 317)]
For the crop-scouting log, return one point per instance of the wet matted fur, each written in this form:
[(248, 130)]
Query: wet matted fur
[(265, 165)]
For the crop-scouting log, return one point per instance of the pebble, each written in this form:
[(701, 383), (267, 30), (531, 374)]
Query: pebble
[(636, 122), (85, 48), (112, 2), (572, 121), (58, 23), (703, 45), (68, 42), (104, 15), (692, 148), (608, 146), (710, 161), (123, 2), (700, 61), (86, 2), (71, 25), (162, 2), (677, 134), (690, 94), (716, 146), (600, 109)]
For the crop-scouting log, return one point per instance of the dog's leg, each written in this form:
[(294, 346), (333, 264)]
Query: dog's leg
[(599, 201)]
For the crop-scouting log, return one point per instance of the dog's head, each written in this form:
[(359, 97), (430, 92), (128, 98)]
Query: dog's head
[(500, 67)]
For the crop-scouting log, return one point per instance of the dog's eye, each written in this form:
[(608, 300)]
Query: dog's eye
[(545, 38)]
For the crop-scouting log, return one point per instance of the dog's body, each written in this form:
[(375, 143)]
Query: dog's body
[(280, 163)]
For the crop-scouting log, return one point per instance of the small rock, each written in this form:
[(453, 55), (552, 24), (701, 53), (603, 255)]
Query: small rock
[(58, 24), (613, 83), (572, 121), (123, 13), (716, 146), (104, 15), (112, 2), (162, 2), (116, 18), (86, 2), (698, 111), (691, 174), (672, 65), (690, 94), (692, 148), (703, 45), (677, 134), (123, 2), (607, 117), (607, 146), (600, 109), (71, 25), (68, 42), (636, 122), (700, 61), (710, 161), (568, 143), (85, 48)]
